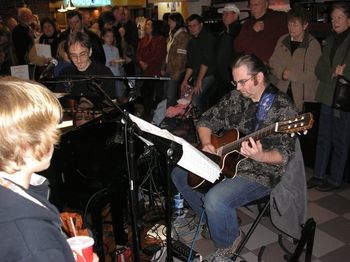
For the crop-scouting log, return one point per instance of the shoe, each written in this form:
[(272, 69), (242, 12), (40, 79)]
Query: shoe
[(225, 254), (205, 232), (314, 182), (326, 186)]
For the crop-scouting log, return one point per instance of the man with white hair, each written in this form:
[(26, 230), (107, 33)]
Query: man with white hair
[(22, 35), (225, 54)]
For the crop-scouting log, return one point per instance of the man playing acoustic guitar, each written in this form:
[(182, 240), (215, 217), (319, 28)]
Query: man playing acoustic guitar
[(254, 105)]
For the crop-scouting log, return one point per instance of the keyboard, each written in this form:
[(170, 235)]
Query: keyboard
[(182, 251)]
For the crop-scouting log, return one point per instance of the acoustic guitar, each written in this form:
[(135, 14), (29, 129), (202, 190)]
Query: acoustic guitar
[(229, 143)]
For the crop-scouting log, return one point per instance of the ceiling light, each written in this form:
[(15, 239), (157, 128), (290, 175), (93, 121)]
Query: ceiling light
[(70, 6), (62, 9)]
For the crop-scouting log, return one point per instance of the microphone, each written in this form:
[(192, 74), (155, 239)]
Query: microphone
[(53, 62)]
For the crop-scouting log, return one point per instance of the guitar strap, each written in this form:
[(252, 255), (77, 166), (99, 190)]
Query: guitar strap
[(264, 105)]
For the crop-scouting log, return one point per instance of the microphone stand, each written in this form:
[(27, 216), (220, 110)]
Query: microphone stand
[(79, 78), (172, 151), (130, 128)]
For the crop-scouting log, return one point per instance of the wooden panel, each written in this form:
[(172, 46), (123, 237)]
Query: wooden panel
[(128, 2)]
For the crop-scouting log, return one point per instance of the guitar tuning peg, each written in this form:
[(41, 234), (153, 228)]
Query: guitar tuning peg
[(298, 133), (305, 132), (292, 134)]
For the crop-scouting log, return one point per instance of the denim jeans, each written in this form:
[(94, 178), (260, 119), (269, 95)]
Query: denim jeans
[(172, 90), (198, 100), (333, 141), (220, 203)]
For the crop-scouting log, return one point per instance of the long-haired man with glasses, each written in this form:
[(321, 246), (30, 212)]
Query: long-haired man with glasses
[(82, 70), (253, 105)]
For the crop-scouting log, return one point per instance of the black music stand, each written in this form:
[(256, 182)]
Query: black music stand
[(130, 130), (173, 152)]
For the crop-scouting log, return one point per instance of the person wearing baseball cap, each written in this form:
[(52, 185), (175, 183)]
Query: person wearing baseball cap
[(225, 54), (229, 8)]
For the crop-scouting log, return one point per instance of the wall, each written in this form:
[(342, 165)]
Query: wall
[(195, 6)]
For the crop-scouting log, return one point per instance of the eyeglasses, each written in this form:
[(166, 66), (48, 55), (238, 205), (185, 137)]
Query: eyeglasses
[(242, 82), (82, 55)]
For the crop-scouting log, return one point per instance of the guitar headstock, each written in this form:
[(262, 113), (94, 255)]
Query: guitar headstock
[(295, 124)]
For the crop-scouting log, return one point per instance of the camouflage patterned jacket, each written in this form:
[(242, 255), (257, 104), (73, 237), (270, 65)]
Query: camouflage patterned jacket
[(236, 111)]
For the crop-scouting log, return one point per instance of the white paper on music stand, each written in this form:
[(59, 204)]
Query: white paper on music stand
[(20, 71), (64, 124), (147, 142), (43, 50), (192, 159)]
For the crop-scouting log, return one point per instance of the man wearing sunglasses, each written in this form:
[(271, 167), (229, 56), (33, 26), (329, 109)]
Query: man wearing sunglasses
[(253, 105)]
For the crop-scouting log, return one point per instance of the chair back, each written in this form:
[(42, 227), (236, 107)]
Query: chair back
[(289, 198)]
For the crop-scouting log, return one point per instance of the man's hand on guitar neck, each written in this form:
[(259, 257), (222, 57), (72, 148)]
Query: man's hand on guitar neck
[(253, 149)]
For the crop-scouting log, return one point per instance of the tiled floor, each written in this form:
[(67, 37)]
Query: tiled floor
[(331, 212)]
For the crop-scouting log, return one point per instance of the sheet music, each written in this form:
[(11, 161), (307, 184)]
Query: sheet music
[(43, 50), (65, 124), (20, 71), (192, 159)]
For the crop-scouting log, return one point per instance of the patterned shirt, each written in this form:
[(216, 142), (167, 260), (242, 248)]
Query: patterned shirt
[(236, 111)]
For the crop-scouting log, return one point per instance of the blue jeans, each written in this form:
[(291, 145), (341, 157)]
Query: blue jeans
[(333, 141), (172, 90), (220, 203), (198, 100)]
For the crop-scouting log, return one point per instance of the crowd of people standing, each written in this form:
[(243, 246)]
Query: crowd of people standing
[(192, 56)]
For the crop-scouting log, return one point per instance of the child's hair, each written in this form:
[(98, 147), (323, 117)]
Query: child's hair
[(106, 31), (29, 115)]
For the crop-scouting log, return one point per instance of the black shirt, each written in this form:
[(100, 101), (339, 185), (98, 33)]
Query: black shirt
[(200, 51), (22, 37), (98, 53), (225, 52), (85, 87)]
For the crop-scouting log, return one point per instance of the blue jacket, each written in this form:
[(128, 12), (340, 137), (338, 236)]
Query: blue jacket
[(30, 232)]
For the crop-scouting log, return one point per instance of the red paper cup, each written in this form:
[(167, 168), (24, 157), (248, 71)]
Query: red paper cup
[(82, 247)]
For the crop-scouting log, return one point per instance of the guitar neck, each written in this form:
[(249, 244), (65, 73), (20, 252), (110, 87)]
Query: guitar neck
[(257, 135)]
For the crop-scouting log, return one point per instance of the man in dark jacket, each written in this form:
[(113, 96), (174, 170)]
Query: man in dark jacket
[(22, 35), (200, 61), (225, 53)]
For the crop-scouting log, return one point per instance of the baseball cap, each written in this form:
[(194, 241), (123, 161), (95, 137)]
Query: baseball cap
[(229, 8)]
